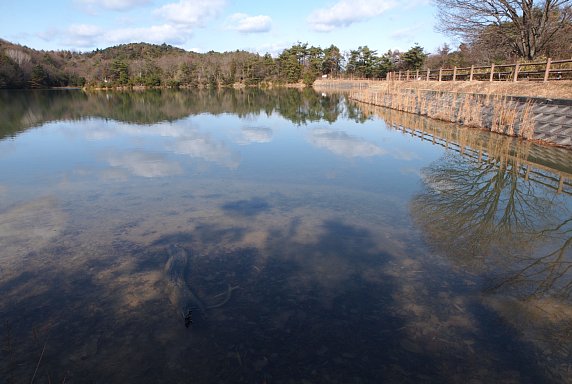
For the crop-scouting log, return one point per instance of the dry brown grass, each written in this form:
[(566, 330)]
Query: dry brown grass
[(554, 89), (504, 116), (478, 145), (526, 130), (473, 112), (495, 111)]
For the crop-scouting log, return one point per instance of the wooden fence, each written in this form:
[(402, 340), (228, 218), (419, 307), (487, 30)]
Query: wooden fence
[(561, 182), (543, 71), (547, 166)]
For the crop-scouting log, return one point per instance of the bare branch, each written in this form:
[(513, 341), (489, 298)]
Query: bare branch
[(528, 25)]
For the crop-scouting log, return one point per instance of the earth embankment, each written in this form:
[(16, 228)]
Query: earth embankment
[(530, 110)]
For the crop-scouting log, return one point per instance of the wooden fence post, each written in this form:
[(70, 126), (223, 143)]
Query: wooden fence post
[(547, 71), (440, 73), (492, 71), (399, 78), (472, 72), (428, 73), (407, 74), (417, 75), (515, 74), (455, 73)]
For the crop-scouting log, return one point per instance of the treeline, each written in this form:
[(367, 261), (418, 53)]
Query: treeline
[(23, 67), (142, 64), (23, 110)]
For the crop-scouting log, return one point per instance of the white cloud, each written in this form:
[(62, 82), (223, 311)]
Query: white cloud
[(255, 135), (197, 49), (406, 155), (249, 24), (191, 13), (98, 131), (186, 140), (416, 3), (49, 34), (115, 5), (347, 12), (145, 164), (179, 20), (89, 36), (82, 35), (343, 144), (406, 33), (203, 147), (157, 34), (85, 30)]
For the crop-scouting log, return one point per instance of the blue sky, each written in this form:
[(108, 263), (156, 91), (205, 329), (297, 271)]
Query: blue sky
[(220, 25)]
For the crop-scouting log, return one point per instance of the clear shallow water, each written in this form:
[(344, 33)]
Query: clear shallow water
[(367, 245)]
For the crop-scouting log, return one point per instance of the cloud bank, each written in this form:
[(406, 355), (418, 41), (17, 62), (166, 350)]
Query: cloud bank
[(114, 5), (347, 12), (244, 23), (191, 13), (176, 22)]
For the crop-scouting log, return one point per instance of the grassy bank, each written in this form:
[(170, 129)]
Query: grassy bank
[(551, 90), (496, 106)]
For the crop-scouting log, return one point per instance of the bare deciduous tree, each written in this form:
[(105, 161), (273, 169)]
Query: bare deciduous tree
[(529, 25), (18, 56)]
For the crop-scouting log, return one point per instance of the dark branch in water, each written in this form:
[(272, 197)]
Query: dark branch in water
[(180, 292)]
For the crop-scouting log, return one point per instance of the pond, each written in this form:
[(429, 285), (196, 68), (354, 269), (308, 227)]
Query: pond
[(279, 236)]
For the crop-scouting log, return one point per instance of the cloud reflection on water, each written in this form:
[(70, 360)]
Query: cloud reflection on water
[(319, 265), (186, 140), (255, 135), (340, 143), (206, 148), (145, 164)]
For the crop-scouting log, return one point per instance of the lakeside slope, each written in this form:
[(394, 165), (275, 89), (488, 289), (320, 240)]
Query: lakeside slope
[(532, 111), (552, 90)]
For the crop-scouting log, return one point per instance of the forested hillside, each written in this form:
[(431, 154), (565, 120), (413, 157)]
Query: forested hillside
[(142, 64)]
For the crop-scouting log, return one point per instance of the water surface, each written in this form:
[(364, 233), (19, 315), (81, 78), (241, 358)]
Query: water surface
[(362, 245)]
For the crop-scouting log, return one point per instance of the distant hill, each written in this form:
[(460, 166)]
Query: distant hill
[(134, 51), (134, 64), (152, 65), (23, 67)]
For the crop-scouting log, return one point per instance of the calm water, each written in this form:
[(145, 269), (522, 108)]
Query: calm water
[(327, 244)]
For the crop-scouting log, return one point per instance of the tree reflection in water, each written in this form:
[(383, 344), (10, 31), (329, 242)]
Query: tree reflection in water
[(495, 206), (486, 217), (489, 220), (26, 109), (478, 208)]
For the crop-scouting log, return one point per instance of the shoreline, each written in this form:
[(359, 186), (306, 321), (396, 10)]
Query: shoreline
[(530, 111)]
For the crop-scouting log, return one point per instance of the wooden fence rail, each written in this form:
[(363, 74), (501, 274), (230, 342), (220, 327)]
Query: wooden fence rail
[(543, 71), (561, 182)]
